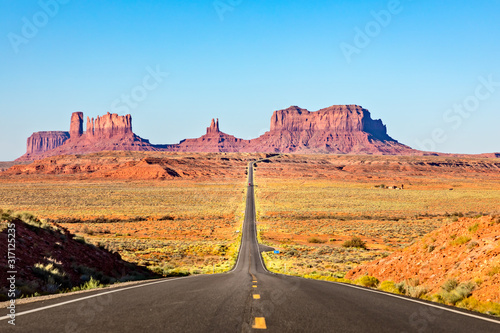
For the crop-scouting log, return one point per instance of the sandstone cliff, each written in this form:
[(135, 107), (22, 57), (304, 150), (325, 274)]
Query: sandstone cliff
[(40, 142), (76, 126), (108, 132), (109, 126), (344, 129)]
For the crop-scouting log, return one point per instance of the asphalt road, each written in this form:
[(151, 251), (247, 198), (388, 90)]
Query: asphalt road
[(247, 299)]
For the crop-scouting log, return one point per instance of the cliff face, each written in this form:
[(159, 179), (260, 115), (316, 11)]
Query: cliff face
[(109, 126), (76, 126), (340, 129), (40, 142), (337, 118)]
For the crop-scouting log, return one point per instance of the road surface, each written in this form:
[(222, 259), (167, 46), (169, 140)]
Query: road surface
[(247, 299)]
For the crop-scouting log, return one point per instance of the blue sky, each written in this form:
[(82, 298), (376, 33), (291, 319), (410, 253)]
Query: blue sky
[(429, 70)]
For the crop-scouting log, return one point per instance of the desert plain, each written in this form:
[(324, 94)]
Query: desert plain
[(181, 213)]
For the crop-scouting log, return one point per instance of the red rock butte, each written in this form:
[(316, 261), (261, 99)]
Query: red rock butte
[(339, 129)]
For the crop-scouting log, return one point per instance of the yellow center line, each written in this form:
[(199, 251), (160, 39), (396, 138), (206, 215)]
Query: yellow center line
[(260, 323), (254, 286), (256, 296)]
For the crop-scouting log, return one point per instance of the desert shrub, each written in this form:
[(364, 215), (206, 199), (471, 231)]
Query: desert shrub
[(472, 245), (473, 304), (87, 230), (473, 228), (355, 242), (368, 281), (494, 270), (52, 275), (389, 286), (411, 288), (453, 292), (316, 240), (449, 285), (90, 284), (80, 239), (460, 240), (88, 273)]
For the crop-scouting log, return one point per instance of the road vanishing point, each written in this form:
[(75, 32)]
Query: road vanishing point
[(247, 299)]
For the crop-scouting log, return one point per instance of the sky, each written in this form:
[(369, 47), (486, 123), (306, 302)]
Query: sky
[(430, 70)]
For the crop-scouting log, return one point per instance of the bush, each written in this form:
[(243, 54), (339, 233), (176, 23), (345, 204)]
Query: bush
[(494, 270), (355, 242), (389, 286), (91, 284), (411, 288), (452, 292), (316, 240), (473, 304), (368, 281), (473, 228), (53, 277), (460, 240)]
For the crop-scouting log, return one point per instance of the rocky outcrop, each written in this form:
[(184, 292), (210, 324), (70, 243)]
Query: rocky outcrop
[(213, 141), (337, 118), (214, 127), (40, 142), (342, 129), (76, 126), (109, 126), (108, 132)]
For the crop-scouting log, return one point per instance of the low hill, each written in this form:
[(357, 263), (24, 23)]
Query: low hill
[(465, 252), (128, 165), (49, 259)]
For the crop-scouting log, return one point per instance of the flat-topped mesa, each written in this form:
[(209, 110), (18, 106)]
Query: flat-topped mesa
[(40, 142), (336, 119), (214, 127), (76, 126), (108, 126)]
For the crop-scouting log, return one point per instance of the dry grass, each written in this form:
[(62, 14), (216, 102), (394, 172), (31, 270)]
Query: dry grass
[(304, 198), (173, 227)]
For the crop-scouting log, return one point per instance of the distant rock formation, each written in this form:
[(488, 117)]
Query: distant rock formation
[(41, 142), (339, 129), (214, 127), (76, 126), (109, 132), (109, 126), (213, 141)]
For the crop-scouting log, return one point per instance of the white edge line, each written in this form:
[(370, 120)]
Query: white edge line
[(91, 296), (409, 299), (416, 301)]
